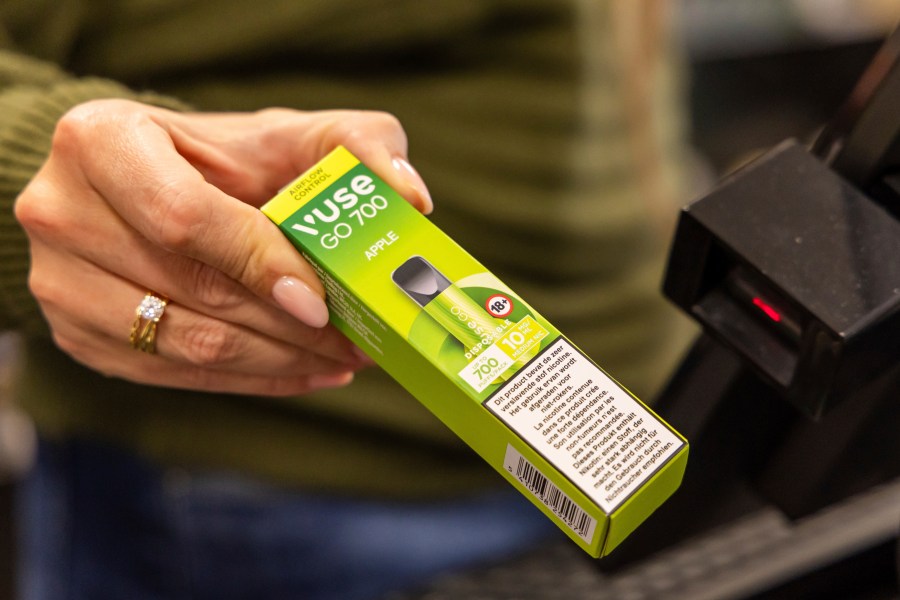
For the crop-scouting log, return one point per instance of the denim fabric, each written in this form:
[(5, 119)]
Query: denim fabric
[(98, 523)]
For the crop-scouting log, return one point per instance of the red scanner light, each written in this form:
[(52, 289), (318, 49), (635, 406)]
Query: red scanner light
[(767, 309)]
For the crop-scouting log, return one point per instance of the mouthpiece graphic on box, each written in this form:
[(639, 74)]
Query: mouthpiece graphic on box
[(420, 280)]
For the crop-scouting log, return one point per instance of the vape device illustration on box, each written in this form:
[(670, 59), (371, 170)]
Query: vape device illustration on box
[(453, 309)]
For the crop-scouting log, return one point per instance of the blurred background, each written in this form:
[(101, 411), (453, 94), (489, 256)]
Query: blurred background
[(765, 70), (760, 71)]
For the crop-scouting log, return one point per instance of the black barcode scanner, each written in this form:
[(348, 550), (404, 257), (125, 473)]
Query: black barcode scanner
[(794, 261), (791, 265)]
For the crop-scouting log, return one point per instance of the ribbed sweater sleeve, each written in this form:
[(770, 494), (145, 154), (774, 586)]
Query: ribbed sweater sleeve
[(33, 96)]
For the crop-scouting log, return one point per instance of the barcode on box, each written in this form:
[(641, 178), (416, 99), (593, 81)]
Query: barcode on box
[(553, 498)]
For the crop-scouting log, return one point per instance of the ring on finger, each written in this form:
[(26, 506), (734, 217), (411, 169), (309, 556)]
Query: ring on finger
[(146, 320)]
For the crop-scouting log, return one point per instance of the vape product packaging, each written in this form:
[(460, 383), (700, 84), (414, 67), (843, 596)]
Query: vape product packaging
[(582, 448)]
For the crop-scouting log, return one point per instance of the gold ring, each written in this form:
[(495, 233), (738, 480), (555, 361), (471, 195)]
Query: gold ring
[(147, 316)]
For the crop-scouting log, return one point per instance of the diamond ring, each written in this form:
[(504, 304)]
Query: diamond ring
[(147, 316)]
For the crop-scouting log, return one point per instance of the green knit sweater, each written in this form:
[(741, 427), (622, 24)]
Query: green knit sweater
[(510, 106)]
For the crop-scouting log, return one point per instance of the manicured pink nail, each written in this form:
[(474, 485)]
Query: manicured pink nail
[(412, 176), (321, 382), (362, 357), (301, 301)]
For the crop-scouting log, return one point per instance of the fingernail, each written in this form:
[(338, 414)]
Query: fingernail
[(362, 357), (415, 180), (298, 299), (321, 382)]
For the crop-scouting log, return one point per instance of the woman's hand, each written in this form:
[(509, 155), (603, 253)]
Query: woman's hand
[(135, 198)]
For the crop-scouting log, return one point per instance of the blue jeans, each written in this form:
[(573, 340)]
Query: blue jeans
[(97, 522)]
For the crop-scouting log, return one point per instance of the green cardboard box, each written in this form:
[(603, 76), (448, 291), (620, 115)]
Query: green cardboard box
[(582, 448)]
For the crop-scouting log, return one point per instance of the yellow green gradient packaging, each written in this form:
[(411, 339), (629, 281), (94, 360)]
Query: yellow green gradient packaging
[(585, 451)]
